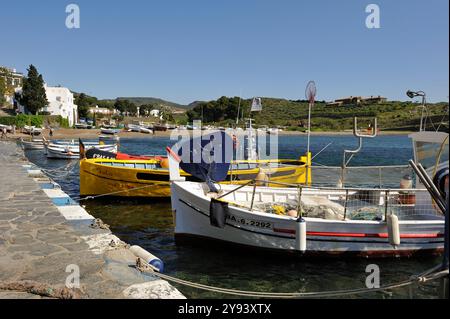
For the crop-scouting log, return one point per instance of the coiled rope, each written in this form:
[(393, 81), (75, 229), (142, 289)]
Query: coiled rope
[(431, 274)]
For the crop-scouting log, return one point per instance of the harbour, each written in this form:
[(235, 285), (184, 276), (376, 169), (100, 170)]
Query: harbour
[(224, 159), (149, 223)]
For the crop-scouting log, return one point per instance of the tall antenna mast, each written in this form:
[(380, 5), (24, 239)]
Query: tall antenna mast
[(239, 107), (310, 94)]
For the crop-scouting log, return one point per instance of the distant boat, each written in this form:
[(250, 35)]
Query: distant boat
[(134, 128), (109, 131), (71, 150), (108, 138), (32, 130), (83, 126), (160, 127), (146, 130), (9, 128), (34, 144)]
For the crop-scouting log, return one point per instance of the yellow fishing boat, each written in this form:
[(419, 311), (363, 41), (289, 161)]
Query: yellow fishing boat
[(150, 178)]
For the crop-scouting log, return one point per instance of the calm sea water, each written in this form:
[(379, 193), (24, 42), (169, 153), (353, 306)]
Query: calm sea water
[(148, 223)]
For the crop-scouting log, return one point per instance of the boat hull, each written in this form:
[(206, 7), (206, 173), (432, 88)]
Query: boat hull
[(277, 233), (62, 151), (32, 145)]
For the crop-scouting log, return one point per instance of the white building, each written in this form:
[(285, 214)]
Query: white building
[(13, 80), (60, 102)]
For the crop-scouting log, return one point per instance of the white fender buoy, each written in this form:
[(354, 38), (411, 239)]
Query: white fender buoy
[(300, 235), (393, 230), (149, 258)]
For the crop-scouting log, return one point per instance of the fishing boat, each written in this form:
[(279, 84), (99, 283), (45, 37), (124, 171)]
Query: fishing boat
[(315, 221), (71, 150), (82, 126), (32, 130), (145, 130), (114, 138), (160, 127), (133, 128), (109, 131), (8, 128), (33, 144), (149, 177)]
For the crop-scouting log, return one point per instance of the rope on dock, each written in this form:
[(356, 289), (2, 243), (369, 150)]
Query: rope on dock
[(60, 172), (431, 274)]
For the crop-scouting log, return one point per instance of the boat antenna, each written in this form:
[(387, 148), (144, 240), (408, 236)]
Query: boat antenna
[(239, 107), (310, 94)]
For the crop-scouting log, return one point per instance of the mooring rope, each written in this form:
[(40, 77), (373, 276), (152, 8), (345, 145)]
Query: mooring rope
[(113, 193), (431, 274)]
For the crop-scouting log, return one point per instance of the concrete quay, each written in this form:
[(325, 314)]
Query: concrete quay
[(52, 247)]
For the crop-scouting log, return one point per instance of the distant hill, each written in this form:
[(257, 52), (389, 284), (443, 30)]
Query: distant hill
[(392, 115), (153, 100)]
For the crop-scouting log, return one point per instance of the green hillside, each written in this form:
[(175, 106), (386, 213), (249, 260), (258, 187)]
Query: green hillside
[(154, 101), (293, 115)]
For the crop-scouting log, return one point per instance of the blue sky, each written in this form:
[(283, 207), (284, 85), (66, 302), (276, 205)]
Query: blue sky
[(202, 49)]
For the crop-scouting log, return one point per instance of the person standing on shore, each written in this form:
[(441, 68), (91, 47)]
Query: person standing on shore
[(4, 133), (51, 132)]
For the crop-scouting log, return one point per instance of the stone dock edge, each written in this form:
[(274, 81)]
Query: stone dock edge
[(48, 238)]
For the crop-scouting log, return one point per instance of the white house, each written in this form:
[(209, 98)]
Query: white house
[(154, 113), (60, 102)]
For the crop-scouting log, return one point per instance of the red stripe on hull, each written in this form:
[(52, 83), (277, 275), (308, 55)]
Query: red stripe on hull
[(358, 235)]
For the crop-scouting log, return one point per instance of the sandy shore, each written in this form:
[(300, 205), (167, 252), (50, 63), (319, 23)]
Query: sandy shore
[(95, 133)]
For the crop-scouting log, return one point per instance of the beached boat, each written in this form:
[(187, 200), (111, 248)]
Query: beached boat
[(145, 130), (133, 128), (82, 126), (9, 128), (109, 131), (32, 130), (160, 127), (317, 220)]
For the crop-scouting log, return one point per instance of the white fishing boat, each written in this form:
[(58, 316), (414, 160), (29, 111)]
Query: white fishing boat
[(330, 229), (32, 130), (72, 151), (82, 126), (318, 221), (33, 144), (133, 128), (109, 131), (9, 128), (114, 138), (146, 130)]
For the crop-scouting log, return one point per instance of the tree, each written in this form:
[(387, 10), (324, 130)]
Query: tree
[(6, 87), (125, 106), (83, 104), (33, 95)]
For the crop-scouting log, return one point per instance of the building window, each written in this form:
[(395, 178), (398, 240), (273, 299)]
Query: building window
[(58, 98)]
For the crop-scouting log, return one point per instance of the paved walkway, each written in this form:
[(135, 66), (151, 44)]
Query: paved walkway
[(37, 243)]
